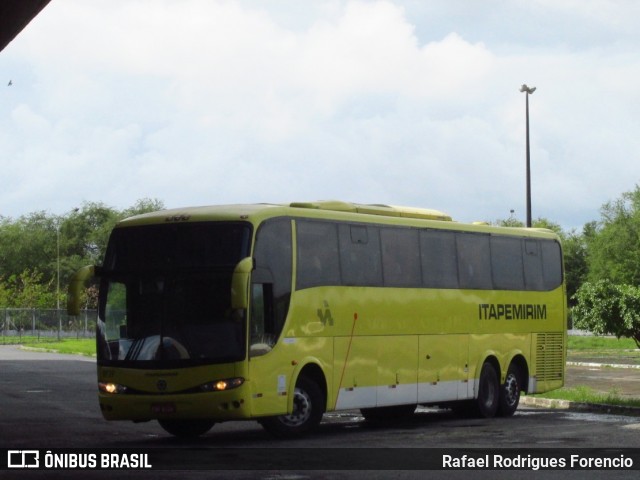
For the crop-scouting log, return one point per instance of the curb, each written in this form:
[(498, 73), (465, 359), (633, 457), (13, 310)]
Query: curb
[(602, 365), (51, 350), (579, 406)]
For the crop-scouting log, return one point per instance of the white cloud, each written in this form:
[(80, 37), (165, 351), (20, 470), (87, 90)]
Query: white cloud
[(403, 102)]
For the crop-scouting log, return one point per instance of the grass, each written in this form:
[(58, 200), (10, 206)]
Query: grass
[(603, 350), (583, 394), (598, 343), (84, 346)]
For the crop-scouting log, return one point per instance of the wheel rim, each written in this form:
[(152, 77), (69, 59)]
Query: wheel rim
[(511, 389), (301, 409)]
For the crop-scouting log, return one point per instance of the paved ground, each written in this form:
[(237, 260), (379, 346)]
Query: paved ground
[(605, 373), (46, 402), (605, 378), (602, 374)]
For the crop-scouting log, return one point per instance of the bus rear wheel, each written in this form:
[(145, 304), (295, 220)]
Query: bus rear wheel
[(510, 392), (186, 428), (308, 409), (488, 392)]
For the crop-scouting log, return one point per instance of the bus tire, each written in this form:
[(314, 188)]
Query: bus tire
[(186, 428), (510, 392), (381, 414), (308, 409), (488, 392)]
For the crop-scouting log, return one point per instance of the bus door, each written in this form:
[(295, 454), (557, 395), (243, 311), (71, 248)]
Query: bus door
[(269, 371), (269, 377)]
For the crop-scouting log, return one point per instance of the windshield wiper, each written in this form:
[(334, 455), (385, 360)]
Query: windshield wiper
[(135, 349)]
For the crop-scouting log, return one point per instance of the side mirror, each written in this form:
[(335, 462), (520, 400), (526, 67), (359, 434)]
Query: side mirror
[(76, 287), (240, 283)]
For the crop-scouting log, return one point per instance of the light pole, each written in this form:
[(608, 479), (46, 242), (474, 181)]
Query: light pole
[(58, 264), (528, 91), (58, 220)]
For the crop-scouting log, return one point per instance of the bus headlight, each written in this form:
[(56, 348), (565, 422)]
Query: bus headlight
[(220, 385), (112, 388)]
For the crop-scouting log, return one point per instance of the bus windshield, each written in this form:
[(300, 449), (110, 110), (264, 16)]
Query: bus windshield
[(165, 295)]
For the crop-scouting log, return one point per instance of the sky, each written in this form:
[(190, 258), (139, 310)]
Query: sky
[(400, 102)]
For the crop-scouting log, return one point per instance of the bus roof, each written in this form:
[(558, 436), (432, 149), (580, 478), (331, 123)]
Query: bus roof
[(375, 209), (322, 209), (235, 212)]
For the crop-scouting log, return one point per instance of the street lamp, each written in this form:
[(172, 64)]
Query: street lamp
[(528, 91)]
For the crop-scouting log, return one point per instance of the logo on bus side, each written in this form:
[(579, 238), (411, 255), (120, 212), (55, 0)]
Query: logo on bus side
[(512, 311), (325, 316)]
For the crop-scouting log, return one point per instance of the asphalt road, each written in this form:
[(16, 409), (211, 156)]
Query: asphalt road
[(48, 402)]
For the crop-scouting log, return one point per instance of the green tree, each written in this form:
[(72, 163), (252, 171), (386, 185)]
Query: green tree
[(613, 243), (575, 261), (143, 205), (28, 243), (5, 294), (54, 246), (27, 290), (509, 222), (606, 308), (539, 222)]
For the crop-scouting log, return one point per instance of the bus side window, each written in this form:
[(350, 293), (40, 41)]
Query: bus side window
[(474, 261), (439, 259), (400, 257), (551, 264), (533, 265), (506, 263), (270, 284), (318, 262), (360, 261)]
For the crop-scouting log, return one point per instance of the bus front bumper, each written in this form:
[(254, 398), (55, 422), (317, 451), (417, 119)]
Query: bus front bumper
[(219, 406)]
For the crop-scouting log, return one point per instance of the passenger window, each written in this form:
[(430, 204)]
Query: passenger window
[(318, 262), (551, 264), (439, 259), (533, 265), (400, 257), (506, 263), (360, 255), (474, 265)]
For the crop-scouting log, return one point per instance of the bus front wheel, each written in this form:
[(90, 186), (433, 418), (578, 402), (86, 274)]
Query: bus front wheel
[(186, 428), (488, 391), (308, 409)]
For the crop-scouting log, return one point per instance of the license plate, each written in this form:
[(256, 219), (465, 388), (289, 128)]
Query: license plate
[(163, 408)]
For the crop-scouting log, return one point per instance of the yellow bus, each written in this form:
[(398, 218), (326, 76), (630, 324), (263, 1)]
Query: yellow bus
[(280, 313)]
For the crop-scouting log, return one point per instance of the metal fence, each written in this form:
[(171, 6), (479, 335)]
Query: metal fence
[(31, 324)]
